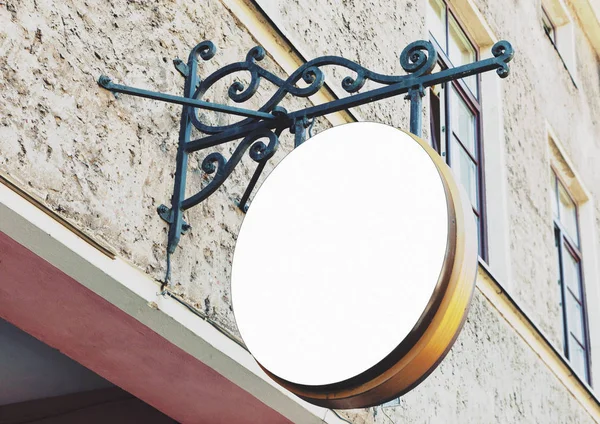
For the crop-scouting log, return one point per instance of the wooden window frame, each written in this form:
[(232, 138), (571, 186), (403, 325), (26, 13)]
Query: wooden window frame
[(473, 102), (566, 242)]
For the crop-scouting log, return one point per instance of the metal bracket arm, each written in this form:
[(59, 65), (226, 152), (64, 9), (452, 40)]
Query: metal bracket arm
[(107, 83)]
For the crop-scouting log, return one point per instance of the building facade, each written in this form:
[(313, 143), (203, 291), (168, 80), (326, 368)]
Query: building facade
[(82, 253)]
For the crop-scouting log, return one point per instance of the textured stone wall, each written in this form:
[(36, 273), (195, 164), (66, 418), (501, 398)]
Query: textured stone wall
[(106, 164), (542, 92)]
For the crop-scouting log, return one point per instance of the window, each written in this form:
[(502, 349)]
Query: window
[(455, 110), (558, 26), (572, 295)]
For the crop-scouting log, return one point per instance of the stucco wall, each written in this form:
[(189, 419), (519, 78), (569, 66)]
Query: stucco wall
[(106, 163), (542, 92)]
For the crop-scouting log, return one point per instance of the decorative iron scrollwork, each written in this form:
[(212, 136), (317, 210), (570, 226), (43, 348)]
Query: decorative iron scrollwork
[(215, 161), (418, 58), (415, 61), (268, 121), (504, 51)]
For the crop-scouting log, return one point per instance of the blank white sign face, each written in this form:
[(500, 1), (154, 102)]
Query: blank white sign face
[(339, 253)]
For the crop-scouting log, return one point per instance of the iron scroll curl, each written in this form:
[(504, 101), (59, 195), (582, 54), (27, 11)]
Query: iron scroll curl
[(504, 51), (215, 163)]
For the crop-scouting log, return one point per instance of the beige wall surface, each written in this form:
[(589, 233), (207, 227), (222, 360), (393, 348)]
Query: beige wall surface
[(541, 93), (106, 164)]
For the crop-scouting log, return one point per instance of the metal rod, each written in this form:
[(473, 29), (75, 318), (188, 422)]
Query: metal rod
[(105, 82), (299, 132), (243, 202), (185, 132), (415, 96), (233, 134)]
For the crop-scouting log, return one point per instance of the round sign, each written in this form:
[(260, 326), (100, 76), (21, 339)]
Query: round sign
[(354, 267)]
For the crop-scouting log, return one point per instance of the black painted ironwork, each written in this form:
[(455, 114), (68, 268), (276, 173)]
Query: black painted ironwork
[(259, 130)]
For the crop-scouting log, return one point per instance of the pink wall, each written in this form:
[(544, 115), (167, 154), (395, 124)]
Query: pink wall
[(51, 306)]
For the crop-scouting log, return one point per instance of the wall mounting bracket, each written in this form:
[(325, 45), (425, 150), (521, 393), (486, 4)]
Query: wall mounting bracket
[(259, 130)]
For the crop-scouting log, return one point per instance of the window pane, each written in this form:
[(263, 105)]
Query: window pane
[(436, 20), (463, 121), (557, 243), (435, 121), (575, 318), (571, 273), (461, 52), (465, 170), (568, 213), (554, 195), (479, 245), (577, 358)]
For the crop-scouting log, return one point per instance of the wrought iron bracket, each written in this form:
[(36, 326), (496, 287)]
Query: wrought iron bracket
[(181, 67), (166, 215), (259, 129)]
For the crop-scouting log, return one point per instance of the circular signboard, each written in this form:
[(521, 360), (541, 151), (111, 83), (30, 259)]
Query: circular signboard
[(354, 267)]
